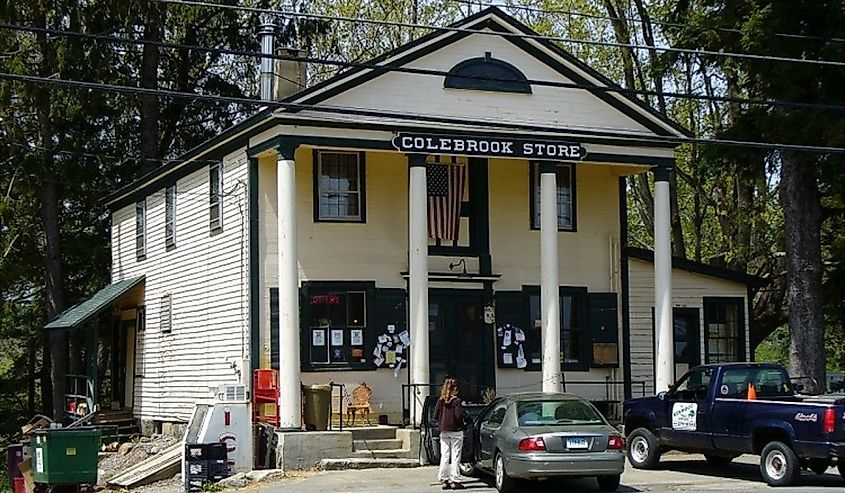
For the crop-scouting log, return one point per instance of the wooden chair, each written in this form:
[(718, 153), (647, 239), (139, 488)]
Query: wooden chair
[(361, 396)]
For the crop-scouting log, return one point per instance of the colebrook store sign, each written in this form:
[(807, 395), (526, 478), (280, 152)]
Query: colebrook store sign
[(498, 146)]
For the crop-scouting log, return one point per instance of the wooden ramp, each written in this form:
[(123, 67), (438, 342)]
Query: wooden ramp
[(162, 466)]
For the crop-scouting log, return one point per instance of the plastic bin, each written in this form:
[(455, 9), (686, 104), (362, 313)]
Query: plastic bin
[(66, 456), (316, 403)]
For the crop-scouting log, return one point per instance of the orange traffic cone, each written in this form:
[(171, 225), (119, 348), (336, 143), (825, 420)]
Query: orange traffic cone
[(752, 394)]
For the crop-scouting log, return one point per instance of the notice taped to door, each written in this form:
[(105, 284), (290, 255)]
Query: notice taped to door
[(684, 416)]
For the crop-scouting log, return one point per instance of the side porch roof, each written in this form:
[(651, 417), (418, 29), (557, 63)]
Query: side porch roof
[(103, 299)]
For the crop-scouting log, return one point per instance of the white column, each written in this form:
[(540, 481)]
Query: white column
[(418, 279), (664, 354), (549, 278), (290, 396)]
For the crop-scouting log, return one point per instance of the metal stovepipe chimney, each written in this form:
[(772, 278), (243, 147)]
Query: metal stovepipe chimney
[(268, 47)]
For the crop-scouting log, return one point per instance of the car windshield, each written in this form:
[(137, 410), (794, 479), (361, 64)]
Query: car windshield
[(563, 412)]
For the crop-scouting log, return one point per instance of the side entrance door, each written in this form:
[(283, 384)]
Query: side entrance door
[(686, 340), (460, 343)]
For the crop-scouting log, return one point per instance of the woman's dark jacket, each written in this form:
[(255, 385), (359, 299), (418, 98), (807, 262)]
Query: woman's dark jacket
[(450, 414)]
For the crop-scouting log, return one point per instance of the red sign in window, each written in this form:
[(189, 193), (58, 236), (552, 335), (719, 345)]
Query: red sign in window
[(325, 299)]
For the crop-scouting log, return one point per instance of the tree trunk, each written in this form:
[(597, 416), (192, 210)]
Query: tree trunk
[(149, 79), (54, 290), (802, 216)]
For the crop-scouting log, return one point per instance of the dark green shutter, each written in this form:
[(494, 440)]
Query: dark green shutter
[(274, 328), (604, 329)]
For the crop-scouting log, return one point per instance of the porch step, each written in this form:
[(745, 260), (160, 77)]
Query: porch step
[(355, 463), (376, 444), (397, 453), (374, 433)]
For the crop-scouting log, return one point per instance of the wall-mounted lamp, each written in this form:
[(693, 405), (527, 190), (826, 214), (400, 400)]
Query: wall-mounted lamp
[(462, 262)]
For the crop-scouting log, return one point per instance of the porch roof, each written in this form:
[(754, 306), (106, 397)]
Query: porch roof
[(102, 299)]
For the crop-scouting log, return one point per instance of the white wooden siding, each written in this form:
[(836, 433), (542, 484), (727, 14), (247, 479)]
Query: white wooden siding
[(207, 276), (688, 291)]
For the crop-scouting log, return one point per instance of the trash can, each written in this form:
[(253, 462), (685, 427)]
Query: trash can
[(316, 402), (66, 456)]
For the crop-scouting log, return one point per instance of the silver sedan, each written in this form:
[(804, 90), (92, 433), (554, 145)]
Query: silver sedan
[(544, 435)]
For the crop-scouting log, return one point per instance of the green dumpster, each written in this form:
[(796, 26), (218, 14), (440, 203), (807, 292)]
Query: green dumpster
[(66, 456), (316, 404)]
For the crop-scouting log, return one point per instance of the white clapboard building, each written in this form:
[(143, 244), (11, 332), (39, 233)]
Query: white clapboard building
[(388, 227)]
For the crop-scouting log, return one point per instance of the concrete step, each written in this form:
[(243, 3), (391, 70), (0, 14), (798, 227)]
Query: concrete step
[(373, 433), (358, 463), (397, 453), (376, 444)]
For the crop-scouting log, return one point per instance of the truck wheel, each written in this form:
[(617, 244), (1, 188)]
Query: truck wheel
[(779, 464), (718, 460), (643, 450)]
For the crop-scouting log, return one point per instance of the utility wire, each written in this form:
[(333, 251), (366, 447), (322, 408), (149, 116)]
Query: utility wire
[(422, 71), (346, 110), (634, 20), (286, 13)]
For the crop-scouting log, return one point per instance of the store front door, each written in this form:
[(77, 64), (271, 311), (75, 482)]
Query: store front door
[(460, 343)]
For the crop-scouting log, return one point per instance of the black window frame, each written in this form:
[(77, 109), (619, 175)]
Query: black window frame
[(362, 188), (534, 194), (369, 326), (141, 229), (215, 196), (170, 217), (712, 303)]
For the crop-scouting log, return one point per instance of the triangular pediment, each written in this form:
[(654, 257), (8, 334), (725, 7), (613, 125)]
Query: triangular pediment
[(419, 89)]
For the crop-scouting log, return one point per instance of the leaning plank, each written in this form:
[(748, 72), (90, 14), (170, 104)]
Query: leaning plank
[(162, 466)]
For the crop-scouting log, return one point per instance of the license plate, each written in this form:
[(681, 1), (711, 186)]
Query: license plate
[(576, 443)]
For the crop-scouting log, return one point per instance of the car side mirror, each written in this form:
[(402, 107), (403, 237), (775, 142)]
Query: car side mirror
[(663, 395)]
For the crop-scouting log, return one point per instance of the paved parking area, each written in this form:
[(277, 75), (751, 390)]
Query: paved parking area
[(678, 473)]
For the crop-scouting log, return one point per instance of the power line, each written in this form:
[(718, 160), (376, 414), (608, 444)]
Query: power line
[(413, 25), (424, 71), (634, 20), (346, 110)]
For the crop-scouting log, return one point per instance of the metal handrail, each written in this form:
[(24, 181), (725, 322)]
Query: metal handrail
[(342, 391), (407, 409)]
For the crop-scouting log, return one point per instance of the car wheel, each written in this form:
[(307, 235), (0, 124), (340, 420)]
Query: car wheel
[(608, 483), (818, 466), (779, 464), (504, 483), (643, 450), (718, 460), (841, 467), (467, 469)]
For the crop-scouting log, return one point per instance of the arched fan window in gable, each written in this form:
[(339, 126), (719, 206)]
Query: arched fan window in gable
[(487, 74)]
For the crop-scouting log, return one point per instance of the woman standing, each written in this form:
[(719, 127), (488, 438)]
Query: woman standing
[(450, 416)]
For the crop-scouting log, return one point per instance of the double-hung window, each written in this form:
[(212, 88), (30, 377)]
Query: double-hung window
[(141, 229), (724, 325), (339, 186), (215, 196), (170, 217), (565, 197)]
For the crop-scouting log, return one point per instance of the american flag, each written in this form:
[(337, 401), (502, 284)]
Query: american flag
[(446, 184)]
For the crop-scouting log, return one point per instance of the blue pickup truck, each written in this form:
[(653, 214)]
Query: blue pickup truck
[(725, 410)]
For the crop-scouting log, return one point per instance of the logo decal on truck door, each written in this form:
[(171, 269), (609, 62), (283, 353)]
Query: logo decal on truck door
[(684, 416)]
